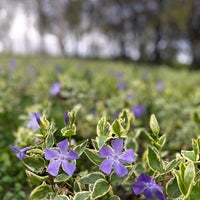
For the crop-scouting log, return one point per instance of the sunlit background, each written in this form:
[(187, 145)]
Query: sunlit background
[(141, 30)]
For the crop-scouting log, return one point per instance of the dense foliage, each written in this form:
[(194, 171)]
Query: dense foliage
[(120, 125)]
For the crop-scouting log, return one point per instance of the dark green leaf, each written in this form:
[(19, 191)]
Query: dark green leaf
[(85, 195), (173, 189)]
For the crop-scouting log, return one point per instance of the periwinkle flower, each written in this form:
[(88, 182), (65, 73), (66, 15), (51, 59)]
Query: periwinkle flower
[(55, 89), (115, 158), (119, 75), (20, 152), (146, 185), (34, 122), (130, 96), (121, 86), (61, 158), (160, 86), (12, 63), (67, 120), (139, 111)]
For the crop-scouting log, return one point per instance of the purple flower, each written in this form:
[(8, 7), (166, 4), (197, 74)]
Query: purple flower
[(115, 157), (130, 96), (12, 63), (66, 118), (159, 86), (139, 110), (20, 152), (60, 158), (121, 86), (145, 184), (55, 89), (34, 122), (119, 75)]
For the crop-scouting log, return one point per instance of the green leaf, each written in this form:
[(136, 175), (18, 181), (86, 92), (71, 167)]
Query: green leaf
[(35, 179), (115, 180), (180, 181), (114, 197), (173, 189), (93, 156), (189, 155), (162, 140), (196, 118), (189, 176), (61, 178), (92, 178), (171, 165), (195, 147), (101, 140), (154, 125), (61, 197), (101, 187), (103, 127), (116, 127), (85, 195), (41, 192), (49, 141), (79, 149), (34, 164), (154, 160), (69, 131), (194, 193)]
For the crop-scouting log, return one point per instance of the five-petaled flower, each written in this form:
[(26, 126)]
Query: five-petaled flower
[(146, 185), (34, 122), (55, 89), (115, 157), (20, 152), (61, 158)]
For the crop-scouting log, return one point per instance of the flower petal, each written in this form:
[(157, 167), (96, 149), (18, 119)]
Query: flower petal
[(13, 148), (148, 194), (69, 168), (117, 145), (119, 169), (105, 152), (72, 155), (51, 154), (127, 156), (53, 167), (159, 194), (21, 155), (106, 166), (138, 187), (63, 146), (145, 178)]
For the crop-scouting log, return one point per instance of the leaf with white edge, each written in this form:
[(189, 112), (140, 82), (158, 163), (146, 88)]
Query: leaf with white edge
[(36, 164), (189, 155), (61, 197), (189, 176), (41, 192), (61, 178), (180, 181), (35, 179), (171, 165), (79, 149), (116, 127), (154, 160), (101, 187), (195, 147), (85, 195), (93, 156), (101, 140), (173, 189), (154, 125), (102, 127), (162, 140), (92, 178)]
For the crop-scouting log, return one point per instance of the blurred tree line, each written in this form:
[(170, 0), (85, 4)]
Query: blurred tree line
[(152, 27)]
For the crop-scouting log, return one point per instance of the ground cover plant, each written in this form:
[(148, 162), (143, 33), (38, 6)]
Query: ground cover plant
[(83, 129)]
